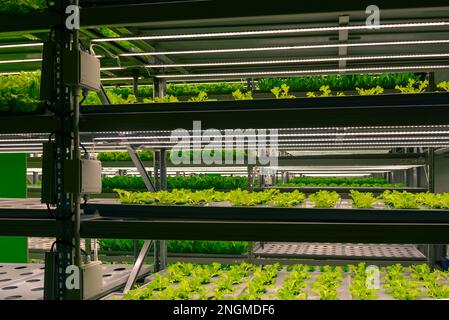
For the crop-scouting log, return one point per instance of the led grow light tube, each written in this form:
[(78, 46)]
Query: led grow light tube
[(286, 48), (288, 135), (300, 72), (275, 31), (305, 60), (20, 60), (21, 45), (119, 79)]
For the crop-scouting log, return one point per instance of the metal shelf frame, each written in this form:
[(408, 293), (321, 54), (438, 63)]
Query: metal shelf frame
[(427, 109), (226, 224)]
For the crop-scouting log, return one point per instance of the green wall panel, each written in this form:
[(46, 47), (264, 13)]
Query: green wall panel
[(13, 184)]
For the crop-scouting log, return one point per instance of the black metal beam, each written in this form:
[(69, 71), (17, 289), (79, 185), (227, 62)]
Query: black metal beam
[(27, 123), (387, 110), (28, 227), (268, 231), (176, 13), (33, 22), (384, 110), (172, 14)]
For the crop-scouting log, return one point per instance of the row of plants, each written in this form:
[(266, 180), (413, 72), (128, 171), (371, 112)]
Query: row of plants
[(338, 182), (16, 97), (272, 197), (180, 246), (21, 6), (305, 84), (185, 281), (183, 89), (148, 155), (281, 92), (339, 82), (196, 182), (415, 282), (20, 93)]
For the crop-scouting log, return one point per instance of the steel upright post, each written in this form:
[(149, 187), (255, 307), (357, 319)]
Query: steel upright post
[(66, 105)]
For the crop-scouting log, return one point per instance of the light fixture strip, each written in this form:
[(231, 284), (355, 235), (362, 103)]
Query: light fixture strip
[(287, 48), (21, 45), (20, 61), (305, 60), (276, 31), (306, 72)]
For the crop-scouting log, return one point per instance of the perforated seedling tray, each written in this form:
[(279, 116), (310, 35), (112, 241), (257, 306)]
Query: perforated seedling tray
[(343, 291)]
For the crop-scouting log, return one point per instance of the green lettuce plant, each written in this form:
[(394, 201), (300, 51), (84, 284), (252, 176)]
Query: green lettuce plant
[(325, 199), (414, 86), (325, 91), (239, 95), (443, 86), (400, 200), (362, 200), (21, 6), (370, 92), (327, 284), (358, 287), (282, 92), (288, 199), (202, 97)]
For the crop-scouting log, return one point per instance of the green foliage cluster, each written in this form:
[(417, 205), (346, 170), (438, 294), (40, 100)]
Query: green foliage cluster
[(196, 182), (181, 282), (371, 91), (235, 197), (180, 246), (325, 199), (124, 156), (339, 182), (414, 86), (325, 91), (201, 97), (175, 197), (188, 89), (181, 90), (358, 287), (362, 200), (433, 201), (21, 6), (339, 82), (185, 281), (400, 200), (239, 95), (431, 281), (147, 155), (444, 86), (20, 93), (328, 282), (294, 284), (272, 197), (262, 280), (398, 286), (288, 199), (282, 92), (23, 97)]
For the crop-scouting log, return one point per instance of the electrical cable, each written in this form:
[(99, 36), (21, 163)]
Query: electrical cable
[(52, 249), (111, 54)]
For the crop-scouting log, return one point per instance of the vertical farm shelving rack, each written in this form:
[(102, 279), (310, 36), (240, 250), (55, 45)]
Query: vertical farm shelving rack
[(202, 17)]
